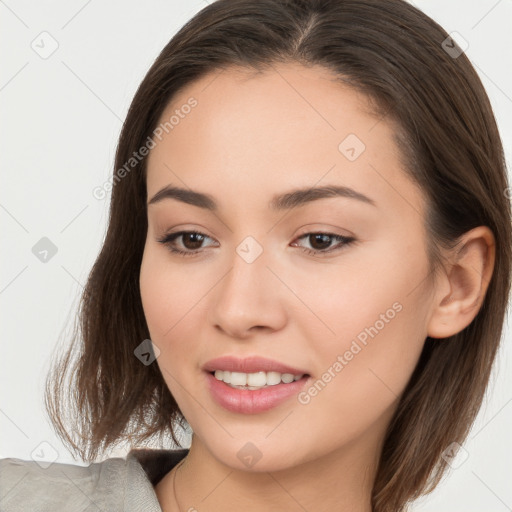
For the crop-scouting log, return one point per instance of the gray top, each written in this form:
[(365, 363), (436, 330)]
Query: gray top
[(116, 484)]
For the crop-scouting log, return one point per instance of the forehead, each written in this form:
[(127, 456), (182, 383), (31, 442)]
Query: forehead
[(264, 132)]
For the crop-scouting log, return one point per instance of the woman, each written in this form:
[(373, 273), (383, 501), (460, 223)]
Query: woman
[(307, 262)]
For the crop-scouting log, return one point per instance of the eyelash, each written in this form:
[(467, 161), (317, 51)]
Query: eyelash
[(343, 240)]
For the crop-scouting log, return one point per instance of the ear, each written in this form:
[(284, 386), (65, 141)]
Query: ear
[(461, 289)]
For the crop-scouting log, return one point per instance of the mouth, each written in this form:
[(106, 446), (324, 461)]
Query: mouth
[(256, 380), (254, 399), (252, 384), (250, 365)]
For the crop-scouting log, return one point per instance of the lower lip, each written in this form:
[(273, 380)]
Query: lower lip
[(246, 401)]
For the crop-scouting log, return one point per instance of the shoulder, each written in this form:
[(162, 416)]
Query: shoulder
[(124, 484), (27, 485)]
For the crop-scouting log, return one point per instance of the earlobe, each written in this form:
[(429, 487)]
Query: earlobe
[(467, 277)]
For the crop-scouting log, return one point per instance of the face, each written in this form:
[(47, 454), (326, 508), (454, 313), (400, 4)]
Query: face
[(333, 286)]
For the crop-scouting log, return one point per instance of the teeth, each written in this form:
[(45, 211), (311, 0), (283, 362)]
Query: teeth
[(287, 378), (238, 379), (273, 378), (255, 380)]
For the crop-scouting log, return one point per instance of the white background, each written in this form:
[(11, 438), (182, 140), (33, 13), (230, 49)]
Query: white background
[(61, 117)]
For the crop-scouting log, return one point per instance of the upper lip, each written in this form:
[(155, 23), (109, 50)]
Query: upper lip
[(251, 364)]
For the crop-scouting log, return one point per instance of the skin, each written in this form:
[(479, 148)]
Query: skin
[(250, 137)]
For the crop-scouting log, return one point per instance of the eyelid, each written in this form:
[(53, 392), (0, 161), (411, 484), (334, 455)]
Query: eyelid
[(173, 235), (343, 241), (326, 229)]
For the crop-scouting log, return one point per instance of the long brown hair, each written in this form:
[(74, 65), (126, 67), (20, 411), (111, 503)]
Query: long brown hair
[(450, 145)]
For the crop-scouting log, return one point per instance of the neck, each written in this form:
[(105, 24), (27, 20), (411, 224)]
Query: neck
[(342, 480)]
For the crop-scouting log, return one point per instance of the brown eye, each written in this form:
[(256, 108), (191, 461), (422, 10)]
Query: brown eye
[(184, 243), (192, 241), (320, 241)]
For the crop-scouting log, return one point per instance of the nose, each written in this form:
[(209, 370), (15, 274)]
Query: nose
[(249, 299)]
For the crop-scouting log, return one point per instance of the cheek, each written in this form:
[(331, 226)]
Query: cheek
[(377, 309), (361, 377), (171, 299), (168, 293), (360, 293), (175, 300)]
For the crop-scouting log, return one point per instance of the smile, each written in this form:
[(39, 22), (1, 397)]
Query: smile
[(254, 399), (253, 381)]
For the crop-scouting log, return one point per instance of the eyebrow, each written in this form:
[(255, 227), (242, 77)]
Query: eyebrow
[(286, 201)]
